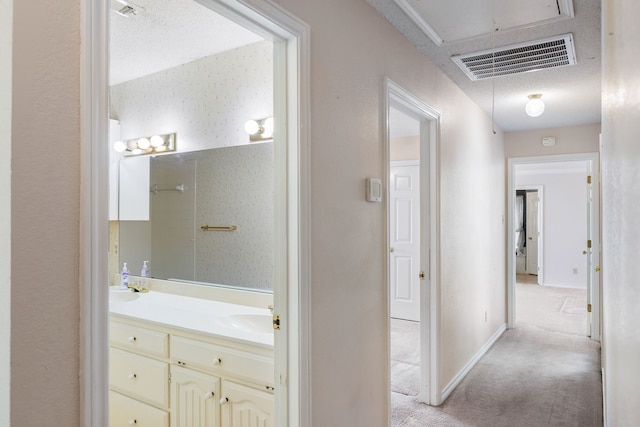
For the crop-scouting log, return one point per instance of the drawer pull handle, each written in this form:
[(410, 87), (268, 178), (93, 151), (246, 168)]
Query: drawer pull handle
[(217, 361), (224, 400), (132, 339), (132, 376), (132, 422), (209, 395)]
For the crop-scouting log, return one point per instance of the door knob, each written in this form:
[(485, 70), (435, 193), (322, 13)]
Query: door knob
[(391, 250), (597, 268), (530, 238), (584, 252)]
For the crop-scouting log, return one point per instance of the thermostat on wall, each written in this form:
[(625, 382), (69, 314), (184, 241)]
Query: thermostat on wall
[(374, 190), (549, 141)]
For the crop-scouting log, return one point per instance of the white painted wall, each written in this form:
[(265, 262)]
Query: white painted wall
[(352, 49), (45, 203), (564, 215), (6, 29), (621, 230), (570, 140)]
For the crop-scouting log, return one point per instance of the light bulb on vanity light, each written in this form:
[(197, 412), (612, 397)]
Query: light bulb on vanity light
[(119, 146), (535, 105), (156, 141), (252, 127), (144, 143)]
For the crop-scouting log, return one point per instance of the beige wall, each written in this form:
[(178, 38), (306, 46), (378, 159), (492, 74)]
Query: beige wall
[(352, 49), (621, 233), (569, 140), (6, 29), (45, 188), (404, 148)]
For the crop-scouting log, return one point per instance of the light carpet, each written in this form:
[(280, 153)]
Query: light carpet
[(532, 377)]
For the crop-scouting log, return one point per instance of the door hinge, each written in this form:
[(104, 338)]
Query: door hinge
[(276, 321), (421, 275), (589, 243), (588, 308), (588, 179), (169, 378)]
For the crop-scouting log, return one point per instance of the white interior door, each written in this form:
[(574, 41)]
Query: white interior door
[(533, 233), (404, 253)]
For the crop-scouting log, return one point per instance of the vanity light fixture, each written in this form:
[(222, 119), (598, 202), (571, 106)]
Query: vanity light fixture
[(153, 145), (259, 130), (535, 105)]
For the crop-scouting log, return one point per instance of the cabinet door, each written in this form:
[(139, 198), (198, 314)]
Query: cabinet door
[(246, 407), (194, 398)]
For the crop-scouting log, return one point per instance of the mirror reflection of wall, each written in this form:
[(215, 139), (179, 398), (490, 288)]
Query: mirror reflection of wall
[(230, 186), (206, 103)]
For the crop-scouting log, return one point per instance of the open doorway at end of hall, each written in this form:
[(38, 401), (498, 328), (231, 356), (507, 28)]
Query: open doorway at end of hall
[(552, 229)]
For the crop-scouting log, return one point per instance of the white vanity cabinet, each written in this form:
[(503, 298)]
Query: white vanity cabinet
[(165, 377), (246, 398), (138, 376)]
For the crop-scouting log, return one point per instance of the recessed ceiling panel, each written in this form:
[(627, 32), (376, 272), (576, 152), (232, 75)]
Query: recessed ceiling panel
[(478, 18), (160, 34)]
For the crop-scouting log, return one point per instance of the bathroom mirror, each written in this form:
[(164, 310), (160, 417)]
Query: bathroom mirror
[(210, 218), (218, 176)]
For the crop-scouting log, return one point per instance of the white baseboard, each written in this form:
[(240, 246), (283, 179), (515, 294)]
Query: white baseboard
[(472, 362)]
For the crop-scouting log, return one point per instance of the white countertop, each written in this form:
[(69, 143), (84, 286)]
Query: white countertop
[(229, 321)]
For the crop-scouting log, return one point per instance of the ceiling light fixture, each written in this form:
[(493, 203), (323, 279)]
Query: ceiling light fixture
[(535, 105)]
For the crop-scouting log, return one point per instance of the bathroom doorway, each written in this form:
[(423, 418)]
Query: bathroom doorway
[(291, 202), (411, 135)]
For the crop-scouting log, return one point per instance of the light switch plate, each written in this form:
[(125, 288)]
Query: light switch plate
[(374, 190)]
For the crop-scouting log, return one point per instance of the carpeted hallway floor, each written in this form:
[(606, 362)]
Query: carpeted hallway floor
[(534, 376)]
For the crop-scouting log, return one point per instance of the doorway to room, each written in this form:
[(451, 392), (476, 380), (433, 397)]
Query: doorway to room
[(291, 205), (411, 135), (554, 236)]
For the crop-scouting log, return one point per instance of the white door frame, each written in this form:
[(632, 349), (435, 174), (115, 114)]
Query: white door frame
[(395, 95), (291, 288), (540, 190), (593, 159)]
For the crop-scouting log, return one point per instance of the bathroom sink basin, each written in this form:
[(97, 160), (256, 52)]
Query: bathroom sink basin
[(123, 295), (256, 323)]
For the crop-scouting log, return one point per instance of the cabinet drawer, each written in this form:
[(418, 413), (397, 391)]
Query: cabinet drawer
[(139, 376), (218, 359), (139, 340), (125, 411)]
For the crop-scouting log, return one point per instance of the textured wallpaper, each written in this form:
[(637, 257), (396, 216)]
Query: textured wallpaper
[(207, 102)]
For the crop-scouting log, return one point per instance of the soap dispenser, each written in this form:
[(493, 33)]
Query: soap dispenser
[(145, 270), (124, 283)]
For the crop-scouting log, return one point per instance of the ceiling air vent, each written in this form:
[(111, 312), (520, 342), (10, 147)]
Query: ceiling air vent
[(518, 58)]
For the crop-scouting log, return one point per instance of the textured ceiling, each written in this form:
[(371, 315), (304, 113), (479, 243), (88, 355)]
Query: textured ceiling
[(571, 94), (166, 33)]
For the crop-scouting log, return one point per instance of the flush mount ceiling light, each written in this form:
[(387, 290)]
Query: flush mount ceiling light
[(155, 144), (259, 130), (535, 105)]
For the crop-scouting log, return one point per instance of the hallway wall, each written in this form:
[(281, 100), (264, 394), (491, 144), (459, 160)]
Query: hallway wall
[(45, 214), (570, 140), (621, 231), (352, 49), (6, 31)]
